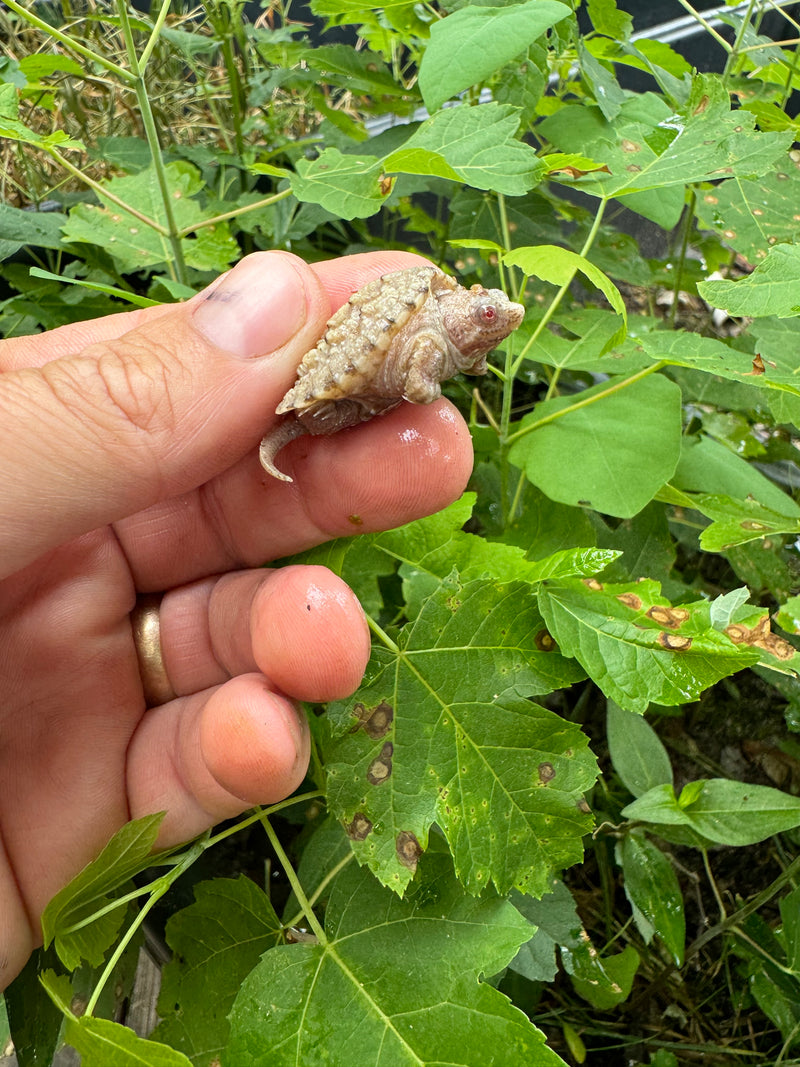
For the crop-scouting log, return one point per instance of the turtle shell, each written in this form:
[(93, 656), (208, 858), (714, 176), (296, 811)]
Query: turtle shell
[(352, 350)]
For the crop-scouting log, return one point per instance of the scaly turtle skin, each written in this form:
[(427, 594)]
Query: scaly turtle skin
[(395, 339)]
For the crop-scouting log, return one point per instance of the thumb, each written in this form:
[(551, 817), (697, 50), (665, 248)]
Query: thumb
[(94, 436)]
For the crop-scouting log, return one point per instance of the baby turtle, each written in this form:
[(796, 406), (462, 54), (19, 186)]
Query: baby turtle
[(395, 339)]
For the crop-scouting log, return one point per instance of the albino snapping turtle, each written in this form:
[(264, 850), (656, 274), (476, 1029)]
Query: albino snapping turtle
[(395, 339)]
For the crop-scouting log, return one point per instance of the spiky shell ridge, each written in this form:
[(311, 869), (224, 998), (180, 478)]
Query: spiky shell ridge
[(357, 338)]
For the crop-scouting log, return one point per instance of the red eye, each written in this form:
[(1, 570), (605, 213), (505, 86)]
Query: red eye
[(488, 313)]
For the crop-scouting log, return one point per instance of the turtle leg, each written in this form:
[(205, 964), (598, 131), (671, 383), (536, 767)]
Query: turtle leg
[(426, 369), (274, 441)]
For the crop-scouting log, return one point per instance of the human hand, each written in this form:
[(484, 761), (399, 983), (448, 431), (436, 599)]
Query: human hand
[(130, 466)]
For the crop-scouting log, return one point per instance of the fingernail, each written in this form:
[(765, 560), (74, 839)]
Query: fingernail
[(257, 308), (297, 725)]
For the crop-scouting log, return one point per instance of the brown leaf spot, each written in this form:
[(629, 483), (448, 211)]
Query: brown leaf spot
[(544, 641), (671, 617), (758, 365), (547, 773), (633, 168), (630, 600), (381, 767), (674, 642), (583, 806), (409, 849), (593, 584), (751, 524), (376, 722), (701, 107), (760, 636), (630, 146), (359, 828), (709, 199)]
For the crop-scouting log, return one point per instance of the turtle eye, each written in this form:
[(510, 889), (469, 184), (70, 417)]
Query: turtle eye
[(486, 314)]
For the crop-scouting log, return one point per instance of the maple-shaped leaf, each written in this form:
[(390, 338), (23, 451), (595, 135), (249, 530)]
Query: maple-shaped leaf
[(395, 984), (216, 942), (441, 732), (635, 645)]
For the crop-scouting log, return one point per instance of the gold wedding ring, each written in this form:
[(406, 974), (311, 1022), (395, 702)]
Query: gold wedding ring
[(146, 625)]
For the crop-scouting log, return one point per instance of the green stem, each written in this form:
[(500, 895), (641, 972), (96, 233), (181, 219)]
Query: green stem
[(236, 212), (177, 266), (323, 885), (161, 886), (733, 55), (68, 42), (294, 882), (144, 59), (256, 816), (585, 403), (705, 24), (102, 191), (382, 635)]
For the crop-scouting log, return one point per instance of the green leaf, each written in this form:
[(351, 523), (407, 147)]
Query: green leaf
[(18, 228), (603, 981), (788, 617), (735, 522), (752, 215), (706, 466), (430, 548), (716, 357), (584, 341), (790, 916), (475, 145), (347, 185), (397, 983), (559, 265), (102, 1043), (603, 85), (635, 645), (14, 130), (441, 731), (471, 44), (215, 942), (607, 19), (721, 810), (612, 454), (34, 1020), (651, 886), (772, 288), (636, 751), (133, 243), (128, 852), (556, 919), (704, 141)]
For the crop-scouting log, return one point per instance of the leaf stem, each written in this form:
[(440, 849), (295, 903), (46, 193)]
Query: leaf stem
[(294, 881), (69, 42), (705, 24), (235, 213), (102, 191), (382, 634), (176, 266), (587, 401), (323, 885), (144, 58), (587, 245), (160, 887)]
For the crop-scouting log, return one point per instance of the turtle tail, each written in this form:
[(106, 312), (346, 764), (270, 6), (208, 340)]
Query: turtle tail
[(274, 441)]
